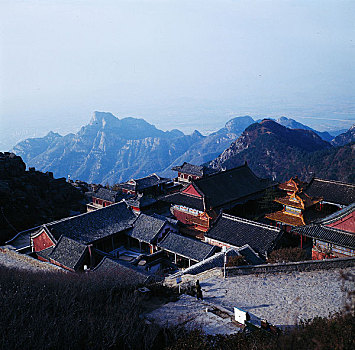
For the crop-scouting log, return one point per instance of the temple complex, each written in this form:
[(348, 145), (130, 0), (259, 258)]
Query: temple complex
[(201, 201)]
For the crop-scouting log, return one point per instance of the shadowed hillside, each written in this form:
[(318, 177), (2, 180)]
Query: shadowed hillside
[(271, 150), (31, 198)]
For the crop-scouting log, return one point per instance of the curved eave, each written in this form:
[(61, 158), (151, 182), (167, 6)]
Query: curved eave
[(285, 201), (283, 218)]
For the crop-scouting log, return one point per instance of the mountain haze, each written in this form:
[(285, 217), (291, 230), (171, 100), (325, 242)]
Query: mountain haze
[(293, 124), (108, 149), (111, 150)]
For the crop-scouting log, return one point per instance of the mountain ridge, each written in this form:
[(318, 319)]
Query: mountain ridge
[(293, 124), (111, 150), (107, 149), (273, 150)]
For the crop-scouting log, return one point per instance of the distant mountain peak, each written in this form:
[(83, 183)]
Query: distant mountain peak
[(282, 119), (102, 118), (107, 149), (268, 121), (293, 124), (238, 124), (52, 134), (197, 133), (265, 123)]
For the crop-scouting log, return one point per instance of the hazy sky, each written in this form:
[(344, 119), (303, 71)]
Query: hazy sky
[(172, 61)]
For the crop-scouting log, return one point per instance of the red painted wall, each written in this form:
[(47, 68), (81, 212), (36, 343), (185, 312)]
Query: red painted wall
[(182, 217), (189, 219), (127, 191), (136, 209), (191, 190), (42, 242), (101, 202), (347, 223), (320, 256)]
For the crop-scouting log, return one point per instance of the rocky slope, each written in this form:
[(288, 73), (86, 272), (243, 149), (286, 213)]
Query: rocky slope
[(336, 163), (345, 138), (271, 150), (212, 145), (30, 198), (107, 150)]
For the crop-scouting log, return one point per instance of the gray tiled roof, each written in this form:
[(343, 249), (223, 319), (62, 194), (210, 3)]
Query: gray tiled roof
[(141, 201), (216, 260), (250, 255), (111, 267), (337, 215), (145, 182), (45, 252), (238, 232), (186, 247), (331, 191), (23, 239), (110, 195), (172, 221), (231, 185), (146, 228), (68, 252), (106, 194), (226, 187), (149, 181), (327, 234), (185, 200), (92, 226), (197, 170)]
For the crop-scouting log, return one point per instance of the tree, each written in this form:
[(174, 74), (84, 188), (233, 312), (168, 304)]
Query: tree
[(287, 255)]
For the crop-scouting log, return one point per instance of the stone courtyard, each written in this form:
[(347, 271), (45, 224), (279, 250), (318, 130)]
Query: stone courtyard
[(283, 299)]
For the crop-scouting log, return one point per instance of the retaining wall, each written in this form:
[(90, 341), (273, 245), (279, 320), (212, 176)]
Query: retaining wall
[(291, 266)]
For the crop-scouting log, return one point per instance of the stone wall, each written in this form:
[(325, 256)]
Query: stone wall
[(292, 266)]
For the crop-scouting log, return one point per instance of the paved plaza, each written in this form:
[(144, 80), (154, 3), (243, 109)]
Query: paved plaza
[(283, 299)]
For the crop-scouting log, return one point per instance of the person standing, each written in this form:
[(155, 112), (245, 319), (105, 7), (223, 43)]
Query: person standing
[(198, 290)]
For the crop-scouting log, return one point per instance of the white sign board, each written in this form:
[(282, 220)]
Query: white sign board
[(240, 315)]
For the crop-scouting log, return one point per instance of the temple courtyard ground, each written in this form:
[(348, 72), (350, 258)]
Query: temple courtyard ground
[(283, 299)]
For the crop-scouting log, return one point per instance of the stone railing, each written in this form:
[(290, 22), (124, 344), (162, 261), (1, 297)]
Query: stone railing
[(172, 281), (292, 266)]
